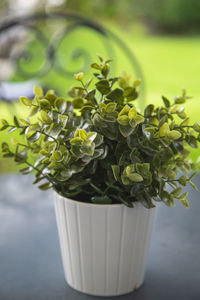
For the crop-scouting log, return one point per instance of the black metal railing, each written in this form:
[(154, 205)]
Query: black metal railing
[(49, 39)]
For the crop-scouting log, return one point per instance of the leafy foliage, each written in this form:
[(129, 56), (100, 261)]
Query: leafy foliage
[(97, 146)]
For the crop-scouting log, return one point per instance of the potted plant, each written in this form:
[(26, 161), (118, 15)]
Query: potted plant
[(108, 164)]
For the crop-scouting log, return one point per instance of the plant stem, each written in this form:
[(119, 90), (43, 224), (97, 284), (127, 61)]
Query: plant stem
[(36, 169)]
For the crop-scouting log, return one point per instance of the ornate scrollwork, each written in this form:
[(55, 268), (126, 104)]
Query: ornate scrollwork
[(27, 57), (51, 56)]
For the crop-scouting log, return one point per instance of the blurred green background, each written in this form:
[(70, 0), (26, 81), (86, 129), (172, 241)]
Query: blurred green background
[(163, 35)]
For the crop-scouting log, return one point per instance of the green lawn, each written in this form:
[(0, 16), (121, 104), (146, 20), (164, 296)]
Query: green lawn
[(168, 63)]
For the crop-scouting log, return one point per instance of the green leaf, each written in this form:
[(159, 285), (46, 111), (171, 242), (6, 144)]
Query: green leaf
[(149, 110), (183, 196), (90, 95), (174, 135), (33, 137), (171, 174), (79, 76), (25, 171), (164, 130), (5, 147), (116, 95), (20, 157), (185, 203), (191, 140), (88, 82), (173, 109), (145, 200), (87, 148), (44, 104), (45, 117), (185, 122), (63, 119), (181, 113), (38, 91), (183, 180), (45, 186), (193, 185), (55, 129), (143, 168), (110, 107), (33, 111), (126, 130), (103, 86), (135, 177), (137, 82), (82, 134), (54, 165), (139, 119), (132, 113), (105, 69), (56, 156), (25, 101), (5, 124), (11, 129), (25, 122), (123, 120), (101, 200), (16, 122), (98, 140), (77, 141), (124, 110), (61, 105), (66, 174), (96, 66), (33, 127), (179, 99), (176, 192), (130, 93), (91, 136), (196, 127), (116, 171), (166, 101), (78, 103), (51, 96)]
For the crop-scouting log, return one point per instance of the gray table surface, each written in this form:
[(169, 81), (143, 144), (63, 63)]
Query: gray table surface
[(30, 261)]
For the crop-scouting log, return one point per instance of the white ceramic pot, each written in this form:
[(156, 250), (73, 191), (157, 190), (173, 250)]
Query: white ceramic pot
[(104, 247)]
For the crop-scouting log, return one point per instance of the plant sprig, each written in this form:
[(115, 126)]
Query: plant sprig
[(97, 147)]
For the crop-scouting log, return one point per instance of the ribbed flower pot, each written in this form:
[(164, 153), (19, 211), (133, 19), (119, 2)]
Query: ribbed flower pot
[(104, 247)]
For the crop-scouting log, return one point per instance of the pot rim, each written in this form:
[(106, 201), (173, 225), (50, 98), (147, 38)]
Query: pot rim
[(97, 204)]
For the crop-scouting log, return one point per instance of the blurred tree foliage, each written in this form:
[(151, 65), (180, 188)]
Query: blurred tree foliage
[(103, 8), (161, 15), (171, 15)]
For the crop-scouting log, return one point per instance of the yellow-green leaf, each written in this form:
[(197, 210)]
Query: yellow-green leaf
[(185, 122), (124, 110), (116, 170), (33, 111), (45, 117), (44, 104), (82, 134), (135, 177), (164, 129), (132, 113), (174, 135), (123, 120), (79, 76), (38, 91), (25, 101)]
